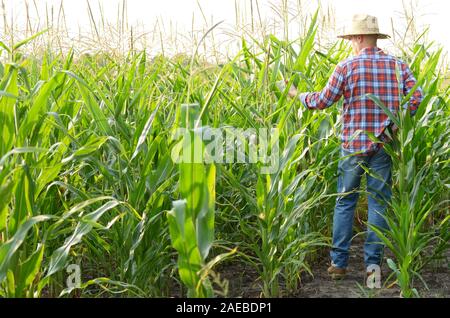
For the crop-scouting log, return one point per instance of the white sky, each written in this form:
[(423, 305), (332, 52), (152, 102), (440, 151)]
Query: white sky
[(177, 14)]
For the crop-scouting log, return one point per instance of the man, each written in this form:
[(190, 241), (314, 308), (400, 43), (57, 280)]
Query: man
[(369, 71)]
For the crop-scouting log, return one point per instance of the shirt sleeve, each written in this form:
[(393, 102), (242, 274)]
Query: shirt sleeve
[(329, 95), (409, 81)]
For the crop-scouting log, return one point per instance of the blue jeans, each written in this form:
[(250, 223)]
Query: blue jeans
[(379, 193)]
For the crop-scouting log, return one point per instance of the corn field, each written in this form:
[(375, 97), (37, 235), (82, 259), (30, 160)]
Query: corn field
[(88, 180)]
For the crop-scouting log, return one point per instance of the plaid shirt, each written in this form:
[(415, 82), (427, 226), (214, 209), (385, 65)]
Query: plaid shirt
[(370, 72)]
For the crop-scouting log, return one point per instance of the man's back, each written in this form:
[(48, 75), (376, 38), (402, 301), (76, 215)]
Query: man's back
[(370, 72)]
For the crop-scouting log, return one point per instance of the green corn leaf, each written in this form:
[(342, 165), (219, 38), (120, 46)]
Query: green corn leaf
[(10, 248), (28, 40), (182, 233), (7, 101), (59, 257), (5, 47), (205, 217), (92, 104), (92, 145), (39, 106), (145, 132), (6, 191), (24, 196), (380, 104), (29, 269), (307, 45)]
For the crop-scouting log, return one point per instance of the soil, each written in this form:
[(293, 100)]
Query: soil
[(243, 280)]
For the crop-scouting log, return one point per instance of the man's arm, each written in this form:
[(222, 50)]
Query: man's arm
[(409, 81), (329, 95)]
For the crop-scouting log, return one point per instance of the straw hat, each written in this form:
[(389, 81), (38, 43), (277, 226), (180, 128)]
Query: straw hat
[(363, 24)]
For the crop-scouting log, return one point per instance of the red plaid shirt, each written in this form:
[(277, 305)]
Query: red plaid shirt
[(370, 72)]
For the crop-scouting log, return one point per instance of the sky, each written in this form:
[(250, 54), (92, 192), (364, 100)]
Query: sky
[(178, 14)]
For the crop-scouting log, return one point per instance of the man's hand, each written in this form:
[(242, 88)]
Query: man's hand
[(292, 92)]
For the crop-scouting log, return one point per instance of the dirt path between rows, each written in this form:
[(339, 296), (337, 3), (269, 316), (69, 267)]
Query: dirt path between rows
[(243, 280), (353, 285)]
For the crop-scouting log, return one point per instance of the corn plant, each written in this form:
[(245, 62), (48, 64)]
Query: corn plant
[(420, 178), (191, 220)]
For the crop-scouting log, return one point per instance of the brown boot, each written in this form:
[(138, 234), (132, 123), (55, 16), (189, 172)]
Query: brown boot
[(336, 272)]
